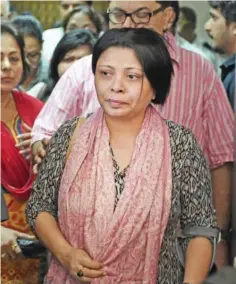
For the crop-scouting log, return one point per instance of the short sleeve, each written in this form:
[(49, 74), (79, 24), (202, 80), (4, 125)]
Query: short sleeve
[(218, 121), (44, 195), (196, 195)]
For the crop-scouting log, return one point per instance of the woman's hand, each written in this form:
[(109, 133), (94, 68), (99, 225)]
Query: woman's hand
[(78, 262), (39, 152), (24, 142), (9, 246)]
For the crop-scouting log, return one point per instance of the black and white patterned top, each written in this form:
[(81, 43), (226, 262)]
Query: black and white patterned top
[(119, 178), (191, 192)]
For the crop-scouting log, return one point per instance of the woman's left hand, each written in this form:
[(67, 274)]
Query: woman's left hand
[(9, 246), (24, 142)]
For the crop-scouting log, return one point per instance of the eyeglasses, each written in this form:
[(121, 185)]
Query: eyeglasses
[(139, 16), (33, 56)]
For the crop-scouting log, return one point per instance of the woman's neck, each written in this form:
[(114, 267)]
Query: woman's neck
[(6, 97), (28, 81), (124, 128)]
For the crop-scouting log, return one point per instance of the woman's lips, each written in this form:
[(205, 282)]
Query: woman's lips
[(6, 80), (116, 102)]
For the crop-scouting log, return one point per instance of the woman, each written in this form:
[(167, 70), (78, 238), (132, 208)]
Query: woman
[(73, 46), (32, 31), (18, 114), (108, 202), (83, 17)]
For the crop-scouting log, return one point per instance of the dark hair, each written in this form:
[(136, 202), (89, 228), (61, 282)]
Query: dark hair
[(189, 14), (89, 3), (8, 28), (227, 9), (28, 25), (88, 11), (150, 49), (175, 6), (69, 41)]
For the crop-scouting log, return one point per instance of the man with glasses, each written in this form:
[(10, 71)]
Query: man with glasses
[(196, 100)]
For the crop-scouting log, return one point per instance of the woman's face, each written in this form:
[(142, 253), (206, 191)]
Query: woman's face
[(123, 89), (80, 21), (32, 51), (11, 63), (71, 56)]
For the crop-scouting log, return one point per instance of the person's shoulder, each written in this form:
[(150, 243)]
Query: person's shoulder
[(194, 57), (84, 66), (53, 32), (68, 127), (21, 95), (180, 135), (84, 62)]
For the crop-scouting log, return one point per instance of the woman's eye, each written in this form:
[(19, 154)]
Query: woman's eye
[(14, 59), (105, 73), (132, 76), (68, 60)]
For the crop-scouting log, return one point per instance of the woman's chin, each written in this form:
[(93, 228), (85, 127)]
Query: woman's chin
[(119, 113)]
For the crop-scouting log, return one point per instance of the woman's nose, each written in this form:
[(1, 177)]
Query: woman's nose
[(5, 65), (117, 85)]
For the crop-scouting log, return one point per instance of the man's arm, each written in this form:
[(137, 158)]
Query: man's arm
[(222, 193), (219, 123), (68, 99)]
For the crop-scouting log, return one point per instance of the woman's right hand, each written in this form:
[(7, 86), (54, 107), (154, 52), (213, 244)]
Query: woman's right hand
[(39, 152), (77, 260)]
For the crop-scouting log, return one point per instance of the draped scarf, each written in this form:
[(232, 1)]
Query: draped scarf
[(126, 240), (16, 174)]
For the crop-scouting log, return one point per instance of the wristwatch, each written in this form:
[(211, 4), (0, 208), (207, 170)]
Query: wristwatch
[(223, 235)]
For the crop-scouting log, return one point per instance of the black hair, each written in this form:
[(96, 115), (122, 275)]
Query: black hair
[(8, 28), (28, 25), (175, 6), (150, 49), (69, 41), (189, 14), (95, 17), (227, 9)]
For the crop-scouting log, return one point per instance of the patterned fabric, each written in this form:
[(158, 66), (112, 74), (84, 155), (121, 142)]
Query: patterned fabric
[(15, 174), (87, 199), (22, 271), (197, 100), (191, 202), (19, 271), (119, 178)]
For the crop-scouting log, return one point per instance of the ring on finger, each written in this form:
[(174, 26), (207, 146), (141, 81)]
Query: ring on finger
[(80, 273), (14, 246)]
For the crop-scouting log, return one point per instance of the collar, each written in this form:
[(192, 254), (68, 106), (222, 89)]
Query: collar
[(229, 62), (172, 46)]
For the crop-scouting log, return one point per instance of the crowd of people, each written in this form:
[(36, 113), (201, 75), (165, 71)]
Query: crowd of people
[(117, 144)]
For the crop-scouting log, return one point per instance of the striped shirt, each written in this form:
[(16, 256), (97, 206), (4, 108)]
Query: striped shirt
[(197, 100)]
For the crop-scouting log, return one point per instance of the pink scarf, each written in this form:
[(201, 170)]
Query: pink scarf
[(128, 240)]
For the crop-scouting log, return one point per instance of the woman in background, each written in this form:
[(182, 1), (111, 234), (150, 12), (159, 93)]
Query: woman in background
[(73, 46), (18, 113), (83, 17), (32, 32)]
